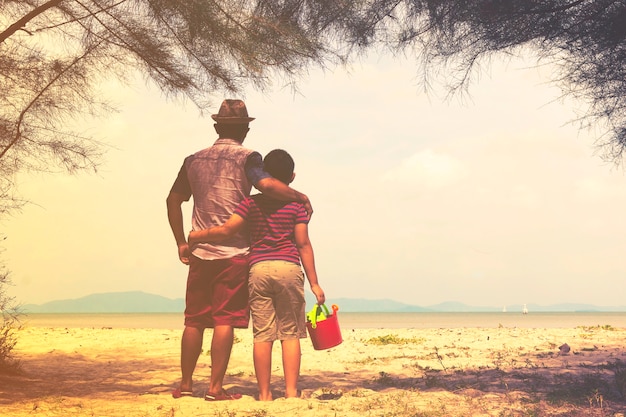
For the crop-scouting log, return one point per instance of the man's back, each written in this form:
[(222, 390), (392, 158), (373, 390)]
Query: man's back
[(218, 184)]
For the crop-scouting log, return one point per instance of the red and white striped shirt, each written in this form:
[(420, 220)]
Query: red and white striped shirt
[(271, 226)]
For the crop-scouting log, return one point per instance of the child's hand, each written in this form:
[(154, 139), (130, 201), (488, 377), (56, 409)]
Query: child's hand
[(193, 237), (319, 294)]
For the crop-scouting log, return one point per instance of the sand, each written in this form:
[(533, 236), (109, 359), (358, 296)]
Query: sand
[(374, 372)]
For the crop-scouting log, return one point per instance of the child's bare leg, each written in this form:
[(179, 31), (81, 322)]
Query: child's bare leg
[(262, 353), (291, 366)]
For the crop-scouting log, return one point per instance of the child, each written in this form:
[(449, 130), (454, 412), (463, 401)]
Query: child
[(279, 249)]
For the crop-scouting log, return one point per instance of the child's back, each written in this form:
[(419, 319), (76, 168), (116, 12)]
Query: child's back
[(271, 226)]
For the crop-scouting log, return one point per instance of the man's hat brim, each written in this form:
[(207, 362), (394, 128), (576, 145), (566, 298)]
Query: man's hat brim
[(232, 120)]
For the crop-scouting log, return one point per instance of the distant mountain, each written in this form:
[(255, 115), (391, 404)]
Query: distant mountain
[(141, 302), (116, 302), (456, 307), (356, 305)]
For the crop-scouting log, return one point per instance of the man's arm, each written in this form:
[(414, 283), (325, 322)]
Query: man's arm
[(218, 233), (174, 203), (270, 186), (301, 234), (281, 191)]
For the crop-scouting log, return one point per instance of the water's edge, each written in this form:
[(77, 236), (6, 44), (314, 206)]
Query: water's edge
[(346, 320)]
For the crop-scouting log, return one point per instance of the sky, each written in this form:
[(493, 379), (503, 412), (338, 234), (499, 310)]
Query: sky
[(491, 198)]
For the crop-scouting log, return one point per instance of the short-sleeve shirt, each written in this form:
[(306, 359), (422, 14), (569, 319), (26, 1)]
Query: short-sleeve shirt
[(219, 178), (254, 172), (271, 225)]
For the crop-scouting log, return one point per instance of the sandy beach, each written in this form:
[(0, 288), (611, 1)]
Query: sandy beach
[(374, 372)]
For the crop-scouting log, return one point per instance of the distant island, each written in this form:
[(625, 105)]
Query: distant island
[(142, 302)]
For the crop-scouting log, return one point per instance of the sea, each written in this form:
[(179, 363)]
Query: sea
[(349, 320)]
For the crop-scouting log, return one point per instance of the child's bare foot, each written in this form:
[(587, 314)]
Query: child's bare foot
[(292, 393), (265, 396)]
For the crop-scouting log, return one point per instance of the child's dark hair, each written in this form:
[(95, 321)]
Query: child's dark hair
[(279, 164)]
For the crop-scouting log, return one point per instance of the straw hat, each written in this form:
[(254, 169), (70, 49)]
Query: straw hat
[(232, 112)]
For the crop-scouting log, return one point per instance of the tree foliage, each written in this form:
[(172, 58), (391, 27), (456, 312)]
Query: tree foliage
[(585, 39), (9, 310), (54, 54)]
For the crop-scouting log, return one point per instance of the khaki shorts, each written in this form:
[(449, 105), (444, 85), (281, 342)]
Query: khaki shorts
[(276, 290)]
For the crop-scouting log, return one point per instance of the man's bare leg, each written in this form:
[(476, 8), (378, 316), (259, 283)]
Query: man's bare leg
[(221, 347), (190, 349)]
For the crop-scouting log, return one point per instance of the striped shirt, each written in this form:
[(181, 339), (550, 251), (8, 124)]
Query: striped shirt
[(271, 226)]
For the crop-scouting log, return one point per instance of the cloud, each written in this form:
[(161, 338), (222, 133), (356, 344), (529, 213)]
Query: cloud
[(428, 168), (597, 189), (525, 196)]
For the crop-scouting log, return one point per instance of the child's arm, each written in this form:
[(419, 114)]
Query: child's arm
[(218, 233), (301, 232)]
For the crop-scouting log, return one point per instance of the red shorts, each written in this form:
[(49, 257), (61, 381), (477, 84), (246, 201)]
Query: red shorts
[(217, 293)]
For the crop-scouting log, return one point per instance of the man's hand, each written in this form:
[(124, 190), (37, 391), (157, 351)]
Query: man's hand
[(307, 205), (183, 252)]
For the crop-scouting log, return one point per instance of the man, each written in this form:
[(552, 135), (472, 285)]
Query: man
[(218, 178)]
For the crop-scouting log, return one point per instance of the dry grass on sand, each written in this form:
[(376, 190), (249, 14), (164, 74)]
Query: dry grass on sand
[(377, 372)]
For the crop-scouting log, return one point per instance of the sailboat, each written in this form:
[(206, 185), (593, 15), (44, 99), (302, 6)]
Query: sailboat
[(524, 309), (504, 309)]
